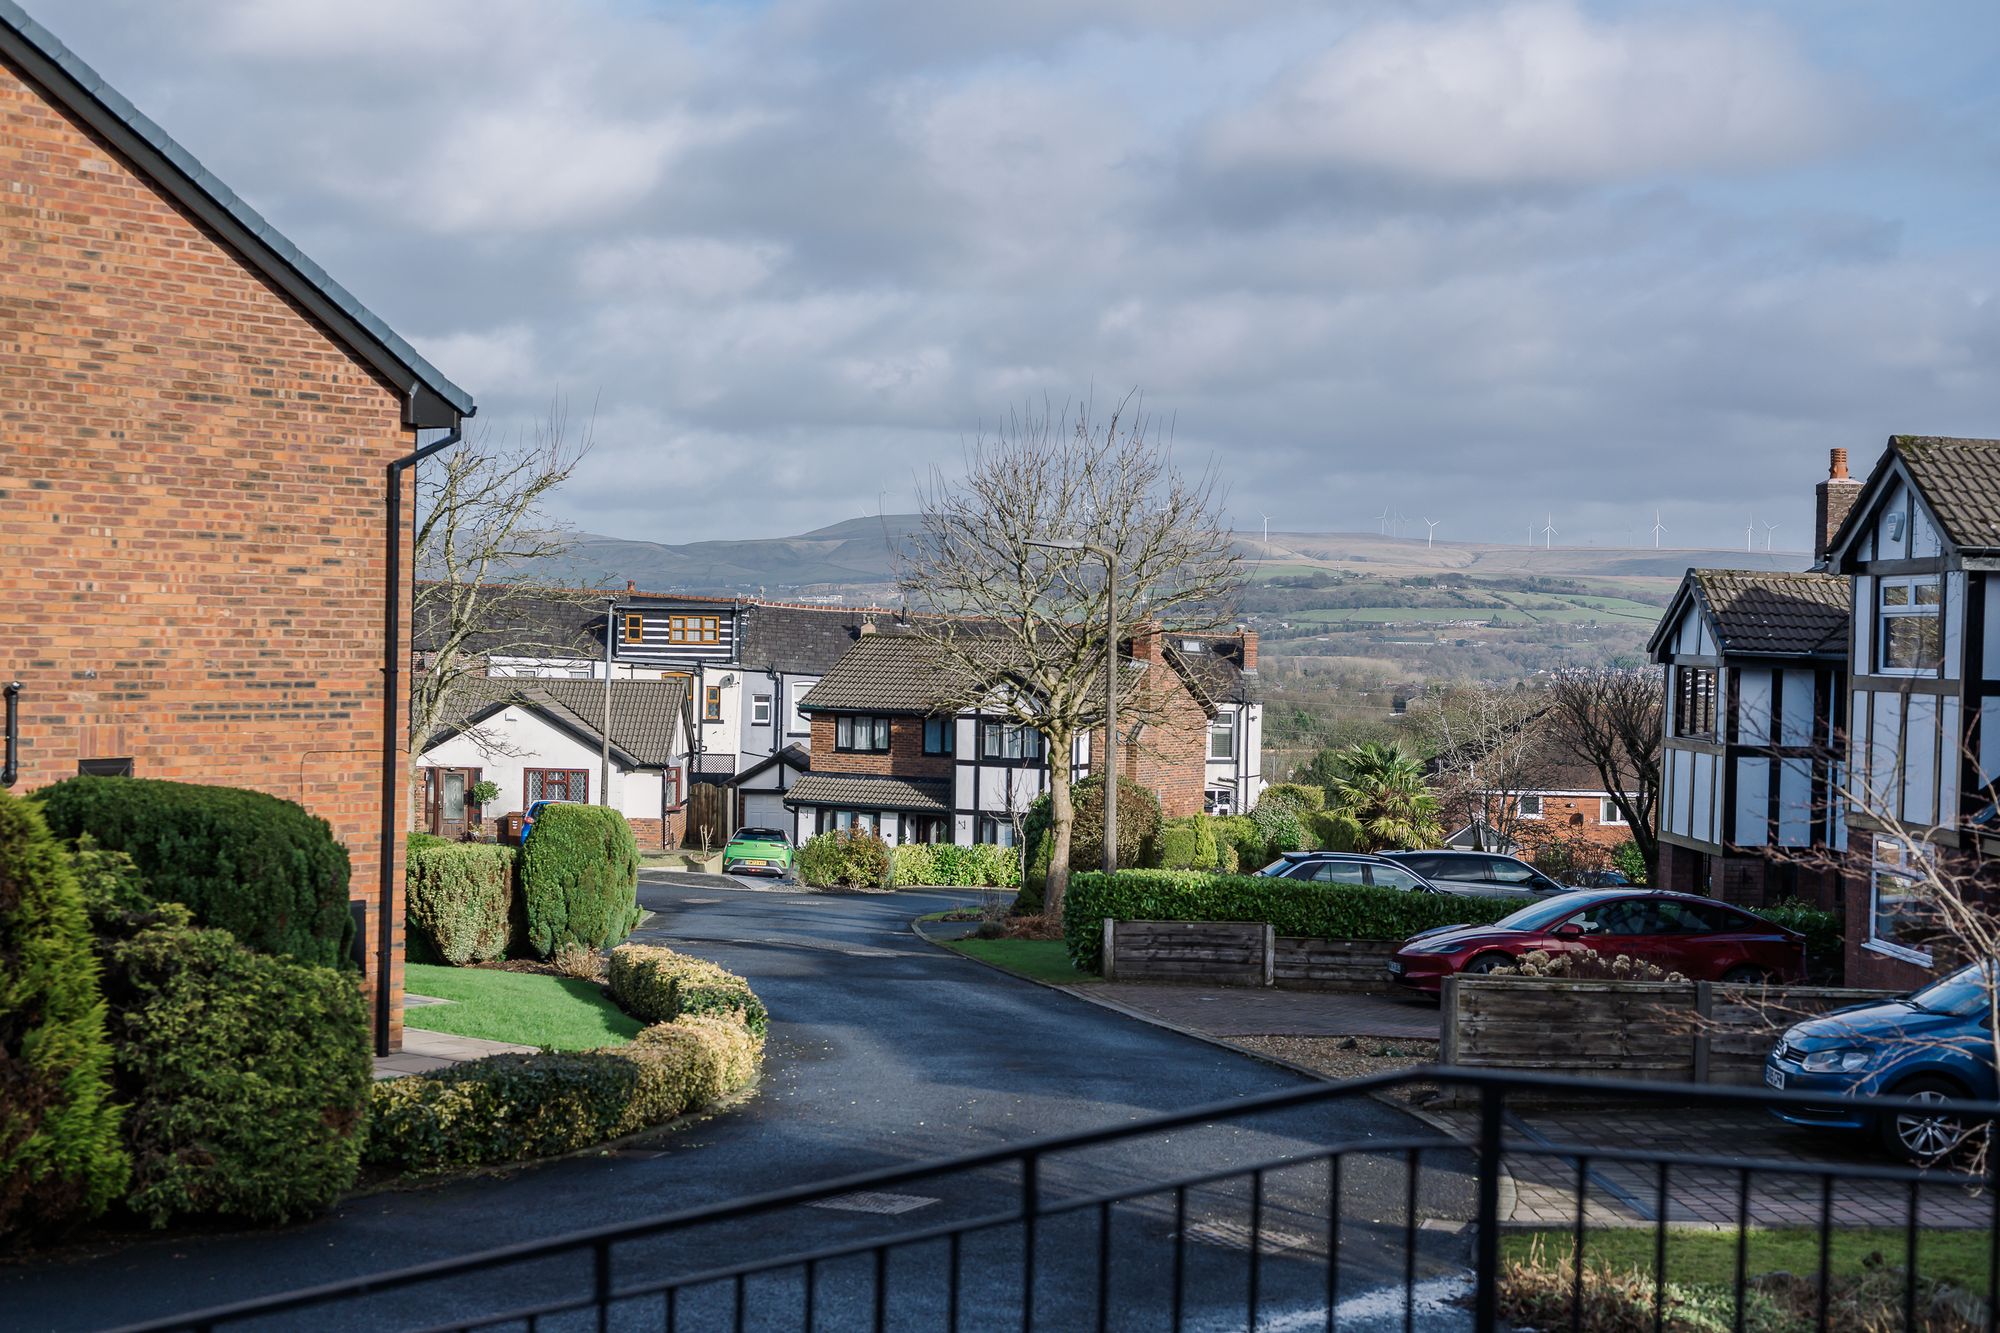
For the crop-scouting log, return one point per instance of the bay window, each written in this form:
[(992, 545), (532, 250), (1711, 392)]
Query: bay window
[(1694, 702), (1899, 921)]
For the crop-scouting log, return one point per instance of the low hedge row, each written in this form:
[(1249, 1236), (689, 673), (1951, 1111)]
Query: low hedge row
[(657, 985), (458, 896), (508, 1108), (918, 864), (854, 858), (1291, 906)]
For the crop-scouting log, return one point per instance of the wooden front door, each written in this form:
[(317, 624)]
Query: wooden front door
[(448, 803)]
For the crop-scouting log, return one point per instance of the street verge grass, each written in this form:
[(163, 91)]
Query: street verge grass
[(526, 1008), (1037, 960), (1701, 1258)]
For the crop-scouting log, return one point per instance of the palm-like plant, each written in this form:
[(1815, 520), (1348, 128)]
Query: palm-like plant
[(1378, 800)]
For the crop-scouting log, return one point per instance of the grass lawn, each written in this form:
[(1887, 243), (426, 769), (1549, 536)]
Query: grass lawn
[(1038, 960), (523, 1007), (1708, 1258)]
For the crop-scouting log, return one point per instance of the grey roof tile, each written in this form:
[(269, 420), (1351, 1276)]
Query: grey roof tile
[(1777, 614), (644, 713), (1960, 481), (801, 640), (888, 673), (917, 795)]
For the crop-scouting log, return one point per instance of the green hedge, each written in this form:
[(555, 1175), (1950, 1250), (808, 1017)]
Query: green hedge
[(1279, 828), (245, 1076), (1292, 906), (258, 867), (1188, 844), (1826, 950), (579, 875), (917, 864), (508, 1108), (850, 858), (657, 985), (457, 898), (61, 1161)]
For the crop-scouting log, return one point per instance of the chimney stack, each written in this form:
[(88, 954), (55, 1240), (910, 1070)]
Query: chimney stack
[(630, 586), (1834, 497)]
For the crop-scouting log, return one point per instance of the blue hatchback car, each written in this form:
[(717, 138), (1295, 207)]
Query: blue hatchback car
[(1932, 1045)]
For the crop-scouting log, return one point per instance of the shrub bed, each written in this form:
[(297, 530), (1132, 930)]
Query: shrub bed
[(657, 985), (849, 858), (61, 1161), (507, 1108), (1292, 907), (579, 875), (245, 1077), (1825, 949), (258, 867), (457, 898), (942, 863)]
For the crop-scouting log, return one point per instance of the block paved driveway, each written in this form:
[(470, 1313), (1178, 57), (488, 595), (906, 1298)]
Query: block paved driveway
[(884, 1051)]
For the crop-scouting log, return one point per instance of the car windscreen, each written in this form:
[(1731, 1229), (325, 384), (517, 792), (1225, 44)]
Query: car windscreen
[(1962, 994), (758, 835), (1542, 915)]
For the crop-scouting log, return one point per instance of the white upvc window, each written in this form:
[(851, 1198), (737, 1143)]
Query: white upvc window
[(1609, 813), (1222, 738), (1909, 633), (1528, 805), (1898, 918), (760, 710)]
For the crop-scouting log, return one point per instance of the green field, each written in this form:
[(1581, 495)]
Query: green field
[(526, 1008)]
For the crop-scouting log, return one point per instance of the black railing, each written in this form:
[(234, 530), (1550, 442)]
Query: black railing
[(1282, 1226)]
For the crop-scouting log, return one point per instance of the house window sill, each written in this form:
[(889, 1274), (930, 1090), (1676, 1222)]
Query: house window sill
[(1897, 952)]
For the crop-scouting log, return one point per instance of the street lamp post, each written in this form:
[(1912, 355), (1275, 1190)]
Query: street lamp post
[(1110, 559)]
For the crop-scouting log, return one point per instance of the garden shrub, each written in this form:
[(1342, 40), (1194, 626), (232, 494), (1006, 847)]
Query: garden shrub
[(61, 1161), (1138, 824), (1627, 860), (917, 864), (657, 985), (245, 1077), (1301, 798), (1239, 832), (1329, 832), (507, 1108), (1187, 844), (854, 858), (1825, 949), (256, 866), (1293, 907), (579, 877), (457, 900), (1585, 965), (1278, 829)]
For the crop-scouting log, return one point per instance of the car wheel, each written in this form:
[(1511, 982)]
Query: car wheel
[(1923, 1136), (1488, 962), (1745, 976)]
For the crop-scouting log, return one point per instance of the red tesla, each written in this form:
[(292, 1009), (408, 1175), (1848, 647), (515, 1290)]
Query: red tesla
[(1700, 938)]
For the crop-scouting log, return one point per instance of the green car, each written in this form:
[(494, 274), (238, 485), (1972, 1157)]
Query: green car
[(758, 851)]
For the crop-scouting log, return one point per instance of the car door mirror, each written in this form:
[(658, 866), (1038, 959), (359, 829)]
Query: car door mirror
[(1569, 930)]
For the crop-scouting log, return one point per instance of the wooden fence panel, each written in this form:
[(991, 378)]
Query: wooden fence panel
[(1225, 953), (1304, 963), (1742, 1022)]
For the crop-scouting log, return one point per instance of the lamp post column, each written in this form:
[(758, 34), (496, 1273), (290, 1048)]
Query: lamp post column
[(1110, 711)]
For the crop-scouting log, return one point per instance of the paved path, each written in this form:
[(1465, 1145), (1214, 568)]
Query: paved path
[(424, 1050), (884, 1051)]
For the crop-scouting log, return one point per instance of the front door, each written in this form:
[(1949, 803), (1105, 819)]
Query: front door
[(448, 800)]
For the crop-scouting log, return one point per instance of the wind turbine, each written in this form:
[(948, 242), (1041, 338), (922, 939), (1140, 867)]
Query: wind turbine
[(1430, 536), (1750, 532), (1769, 528), (1658, 528), (1549, 533), (1267, 528), (1401, 519), (1383, 520)]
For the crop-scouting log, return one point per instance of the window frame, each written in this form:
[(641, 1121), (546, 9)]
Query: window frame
[(634, 630), (941, 736), (760, 710), (1223, 729), (1002, 830), (1609, 813), (1881, 866), (1522, 807), (1030, 742), (711, 703), (880, 728), (530, 777), (694, 631), (1886, 616), (1688, 699)]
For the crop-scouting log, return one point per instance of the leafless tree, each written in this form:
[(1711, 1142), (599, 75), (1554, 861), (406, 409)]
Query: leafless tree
[(482, 535), (1611, 719), (1485, 749), (1021, 628)]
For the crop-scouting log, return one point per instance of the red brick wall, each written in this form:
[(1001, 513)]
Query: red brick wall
[(191, 502), (905, 757), (1170, 755), (1569, 819)]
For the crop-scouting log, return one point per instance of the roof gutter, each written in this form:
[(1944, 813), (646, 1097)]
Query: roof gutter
[(393, 794)]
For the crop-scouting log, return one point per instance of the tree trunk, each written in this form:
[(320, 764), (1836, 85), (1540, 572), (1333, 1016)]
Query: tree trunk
[(1062, 821)]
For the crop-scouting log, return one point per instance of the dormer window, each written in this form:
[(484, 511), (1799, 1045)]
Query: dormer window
[(1193, 646), (1909, 633), (693, 629)]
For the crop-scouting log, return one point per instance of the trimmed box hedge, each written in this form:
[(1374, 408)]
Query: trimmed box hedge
[(920, 864), (508, 1108), (657, 985), (579, 876), (256, 866), (457, 900), (1292, 907)]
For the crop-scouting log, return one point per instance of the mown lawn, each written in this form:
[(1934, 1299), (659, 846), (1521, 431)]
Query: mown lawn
[(523, 1007), (1708, 1258), (1038, 960)]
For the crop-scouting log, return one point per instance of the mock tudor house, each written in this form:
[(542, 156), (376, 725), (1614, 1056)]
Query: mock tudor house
[(1754, 664), (208, 451)]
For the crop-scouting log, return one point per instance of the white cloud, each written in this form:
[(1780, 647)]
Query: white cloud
[(701, 268), (1539, 93)]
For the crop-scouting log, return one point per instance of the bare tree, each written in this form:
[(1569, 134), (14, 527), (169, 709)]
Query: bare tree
[(1611, 719), (1021, 628), (482, 535), (1485, 750)]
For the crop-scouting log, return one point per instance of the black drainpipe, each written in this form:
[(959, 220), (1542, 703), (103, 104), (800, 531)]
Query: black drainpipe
[(392, 676), (12, 769)]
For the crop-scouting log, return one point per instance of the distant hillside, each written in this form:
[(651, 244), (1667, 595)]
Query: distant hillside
[(855, 558)]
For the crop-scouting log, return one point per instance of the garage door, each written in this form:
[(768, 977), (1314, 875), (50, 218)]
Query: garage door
[(765, 810)]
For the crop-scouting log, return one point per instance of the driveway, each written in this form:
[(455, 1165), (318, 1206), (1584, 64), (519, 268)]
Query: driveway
[(884, 1051)]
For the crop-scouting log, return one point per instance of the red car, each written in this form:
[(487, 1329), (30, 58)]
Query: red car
[(1700, 938)]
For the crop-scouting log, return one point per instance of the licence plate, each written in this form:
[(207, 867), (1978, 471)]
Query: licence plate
[(1774, 1076), (1395, 969)]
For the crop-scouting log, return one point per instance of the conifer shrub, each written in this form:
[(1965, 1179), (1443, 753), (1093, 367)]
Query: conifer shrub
[(256, 866), (579, 877), (61, 1159), (457, 898)]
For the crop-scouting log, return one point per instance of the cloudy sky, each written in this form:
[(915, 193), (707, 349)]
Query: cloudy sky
[(1475, 262)]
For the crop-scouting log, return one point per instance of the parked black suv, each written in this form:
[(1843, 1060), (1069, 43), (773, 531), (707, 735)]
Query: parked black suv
[(1348, 868), (1479, 874)]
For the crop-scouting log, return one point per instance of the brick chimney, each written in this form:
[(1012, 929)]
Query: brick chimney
[(1834, 498), (630, 586), (1249, 637), (1145, 641)]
